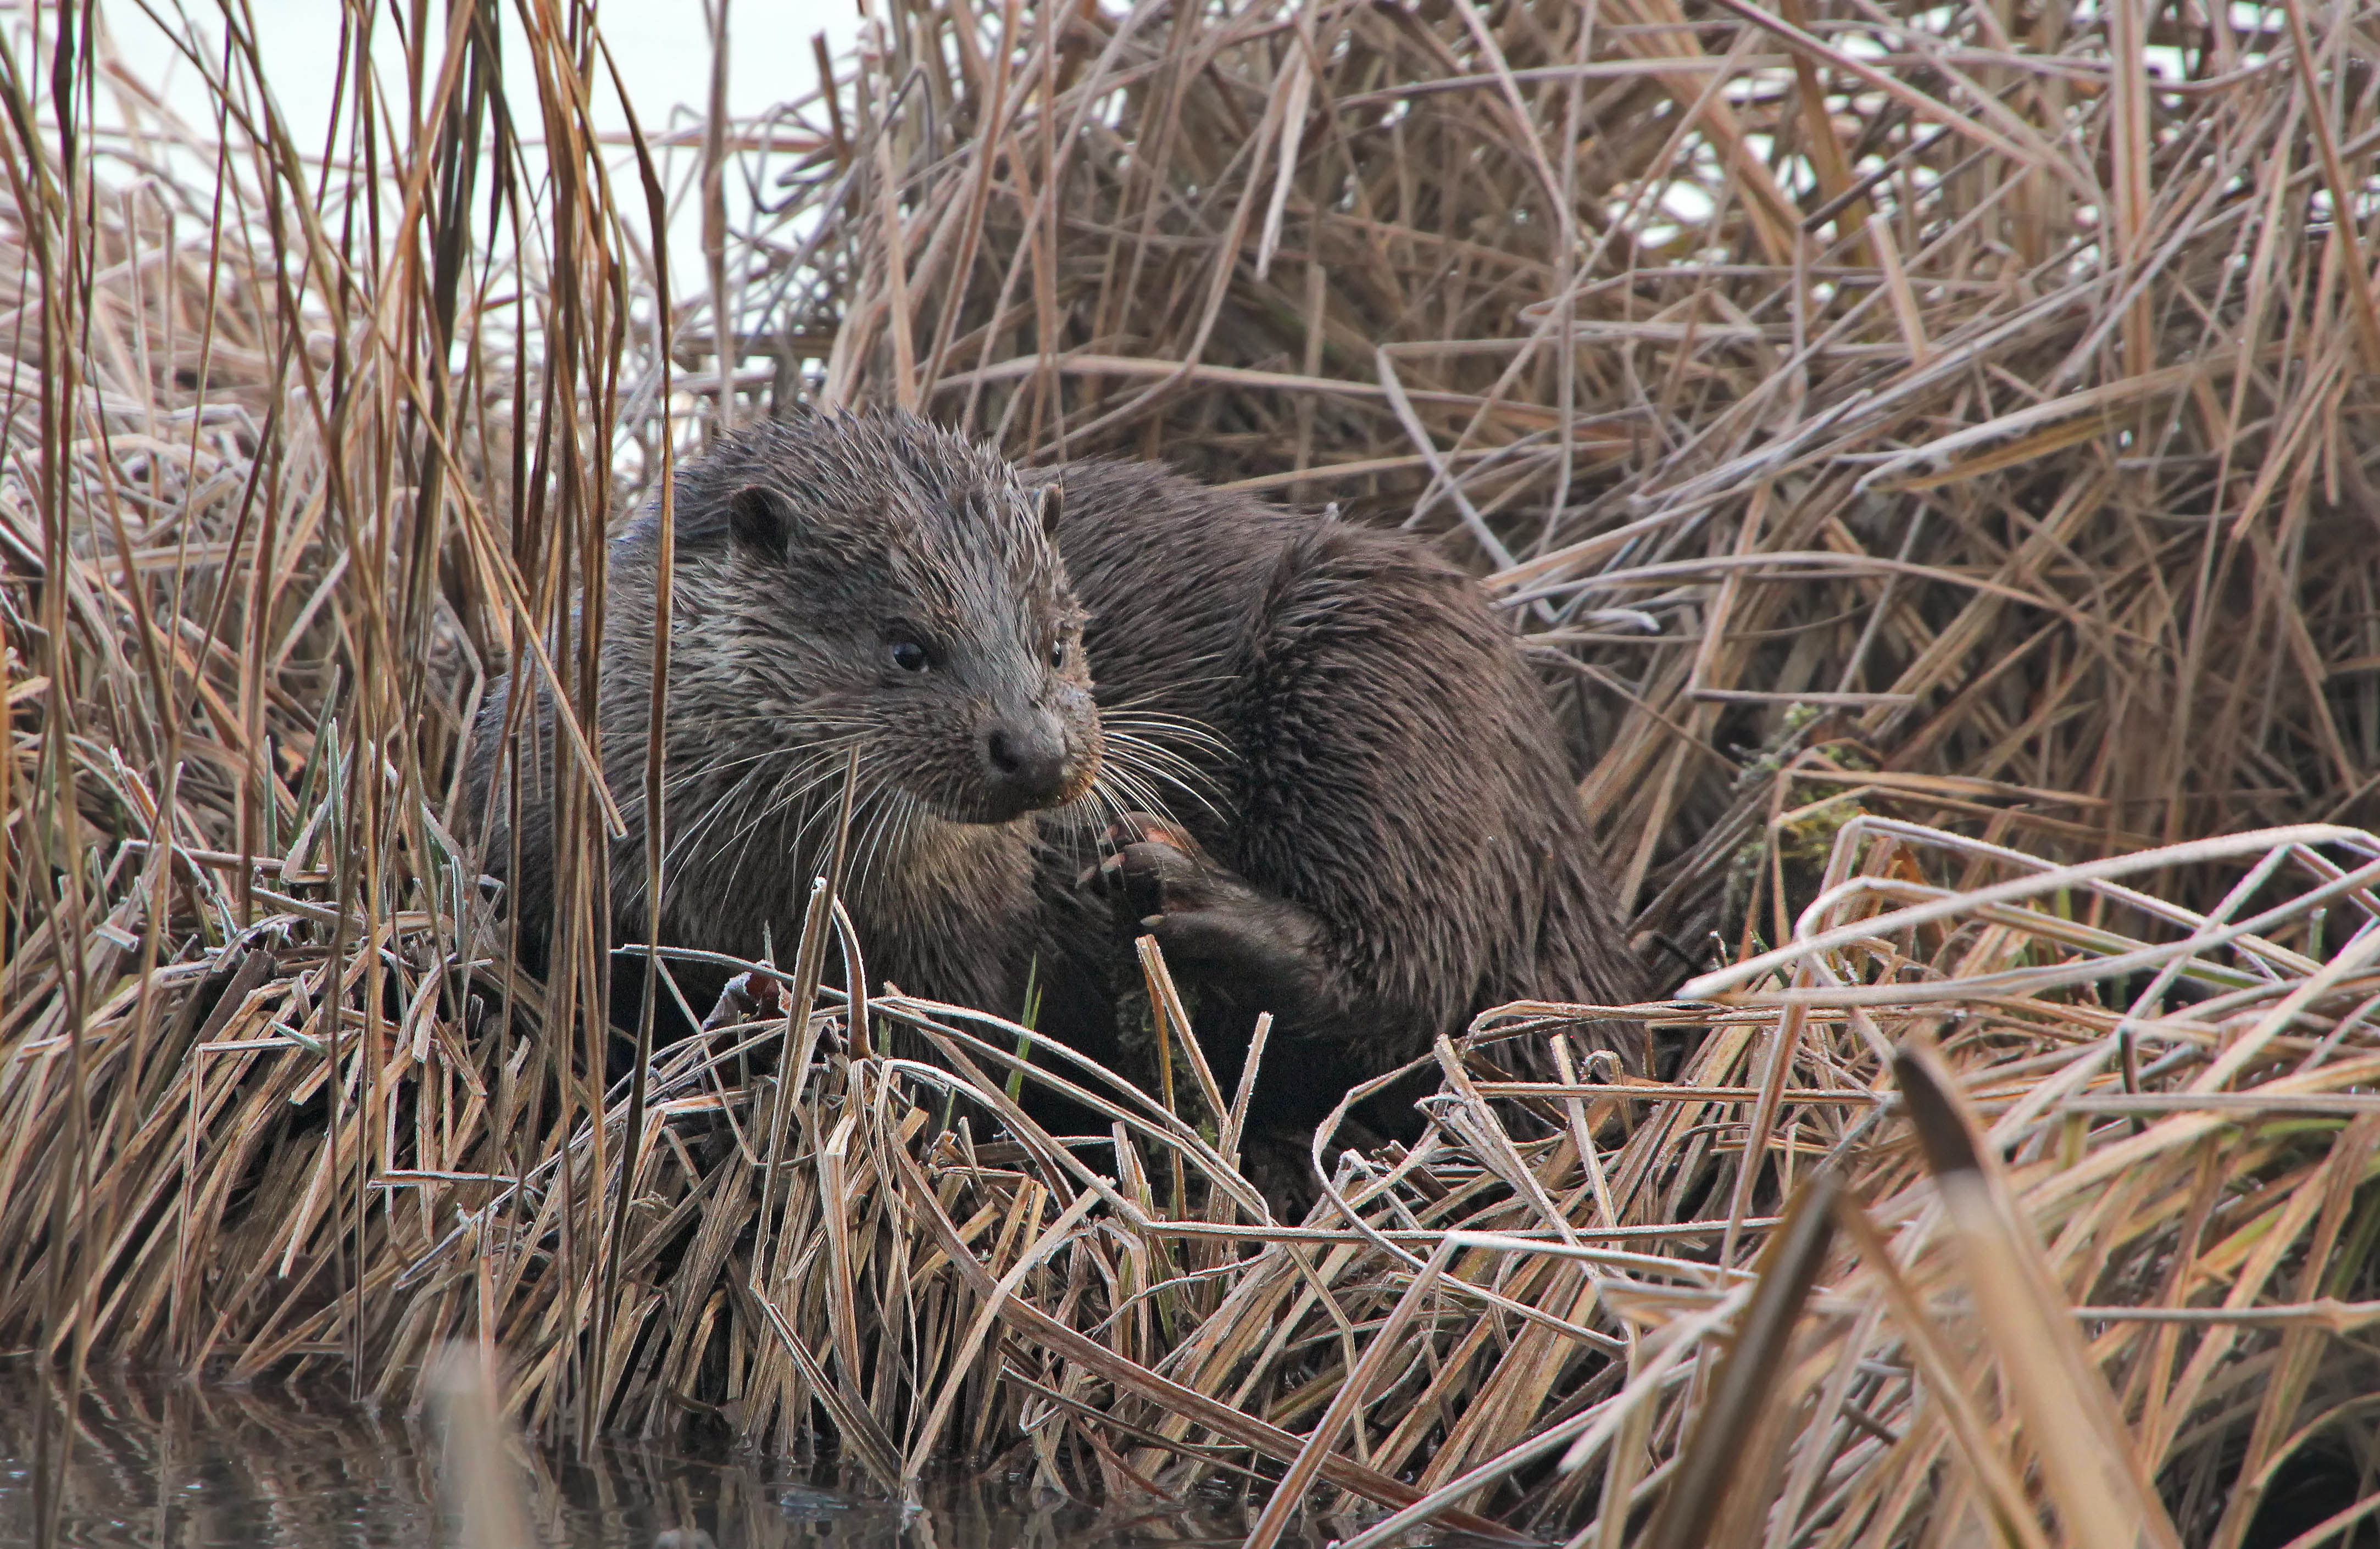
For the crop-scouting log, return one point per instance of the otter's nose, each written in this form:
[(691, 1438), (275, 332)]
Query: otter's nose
[(1024, 763)]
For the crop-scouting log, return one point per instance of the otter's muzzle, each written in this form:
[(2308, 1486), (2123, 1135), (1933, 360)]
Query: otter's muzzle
[(1025, 764)]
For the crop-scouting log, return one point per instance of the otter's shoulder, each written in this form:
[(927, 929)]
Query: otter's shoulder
[(1154, 522), (1115, 508)]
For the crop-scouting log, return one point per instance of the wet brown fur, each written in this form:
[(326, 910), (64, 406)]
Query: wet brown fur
[(1390, 788), (1387, 837)]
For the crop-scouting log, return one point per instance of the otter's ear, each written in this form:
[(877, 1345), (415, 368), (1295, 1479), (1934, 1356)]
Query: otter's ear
[(761, 518), (1053, 505)]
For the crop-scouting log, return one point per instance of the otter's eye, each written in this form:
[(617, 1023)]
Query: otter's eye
[(907, 655), (1058, 655)]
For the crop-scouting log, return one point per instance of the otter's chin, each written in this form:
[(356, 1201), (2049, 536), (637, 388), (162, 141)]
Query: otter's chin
[(991, 818), (1078, 785), (983, 809)]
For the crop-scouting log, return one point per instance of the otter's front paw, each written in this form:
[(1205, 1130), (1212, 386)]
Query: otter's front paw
[(1158, 870), (1260, 950)]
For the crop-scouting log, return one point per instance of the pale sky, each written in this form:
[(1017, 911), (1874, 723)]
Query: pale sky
[(662, 48)]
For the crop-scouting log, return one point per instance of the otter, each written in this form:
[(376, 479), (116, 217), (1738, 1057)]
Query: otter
[(841, 582), (1327, 782)]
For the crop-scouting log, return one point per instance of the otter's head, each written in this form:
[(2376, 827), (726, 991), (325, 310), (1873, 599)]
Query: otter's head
[(900, 591)]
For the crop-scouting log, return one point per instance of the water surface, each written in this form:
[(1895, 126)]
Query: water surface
[(156, 1464)]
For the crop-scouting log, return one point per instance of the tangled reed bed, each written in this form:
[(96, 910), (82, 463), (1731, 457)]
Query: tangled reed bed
[(2000, 380), (1965, 382)]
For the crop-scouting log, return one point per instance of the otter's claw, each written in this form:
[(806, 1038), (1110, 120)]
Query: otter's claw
[(1139, 827), (1120, 868), (1155, 878)]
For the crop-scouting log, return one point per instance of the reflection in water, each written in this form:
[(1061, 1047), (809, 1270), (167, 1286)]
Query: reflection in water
[(159, 1465)]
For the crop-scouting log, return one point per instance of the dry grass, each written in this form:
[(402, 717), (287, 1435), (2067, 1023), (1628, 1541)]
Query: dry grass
[(1952, 374)]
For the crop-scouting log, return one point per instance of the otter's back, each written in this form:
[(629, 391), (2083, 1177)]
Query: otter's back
[(1390, 762)]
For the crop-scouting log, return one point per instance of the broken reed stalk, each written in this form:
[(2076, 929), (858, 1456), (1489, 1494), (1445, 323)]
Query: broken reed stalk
[(1906, 522)]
